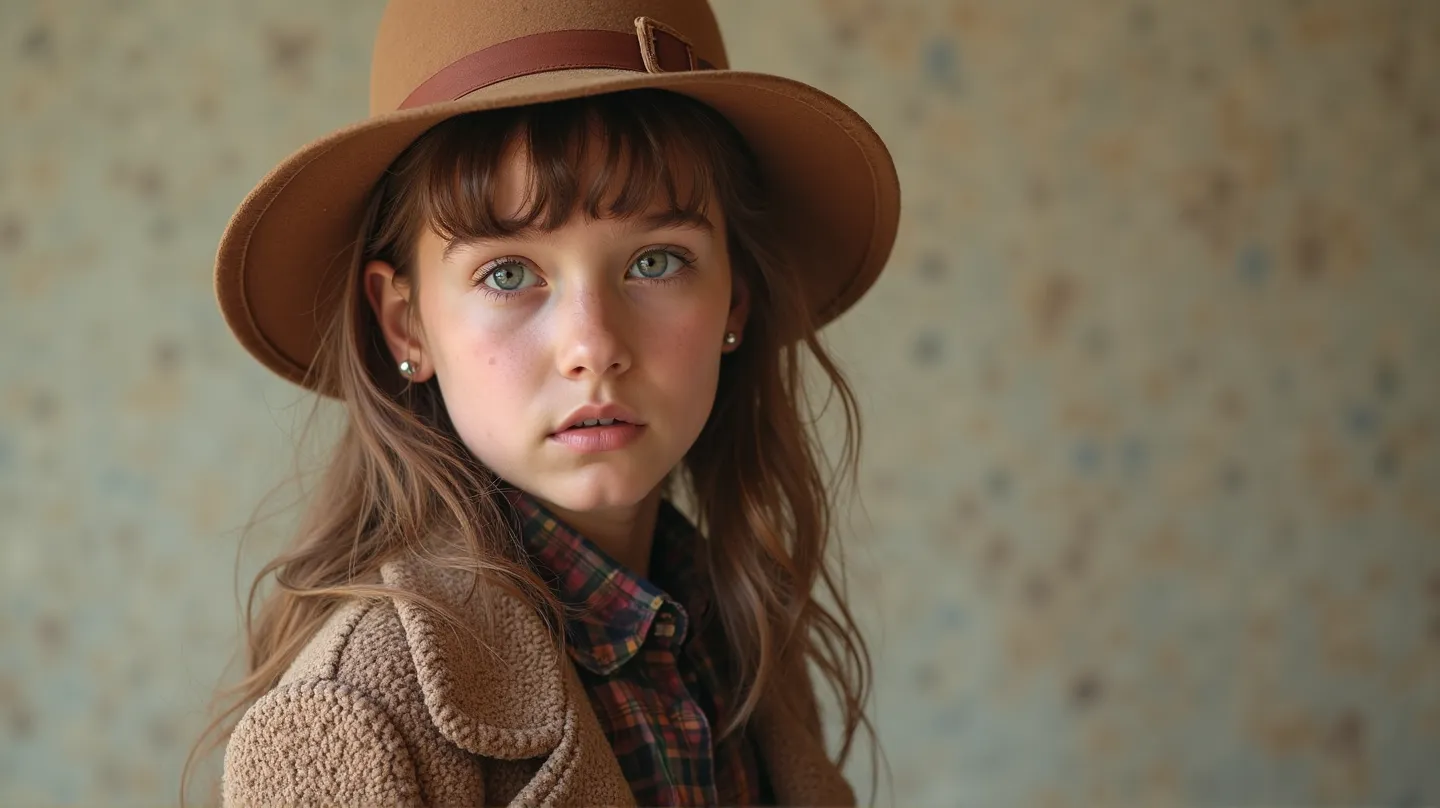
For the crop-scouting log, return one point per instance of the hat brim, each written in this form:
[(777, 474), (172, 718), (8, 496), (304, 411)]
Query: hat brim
[(831, 178)]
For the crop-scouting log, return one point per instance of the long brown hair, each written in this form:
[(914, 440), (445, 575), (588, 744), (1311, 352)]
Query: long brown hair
[(753, 479)]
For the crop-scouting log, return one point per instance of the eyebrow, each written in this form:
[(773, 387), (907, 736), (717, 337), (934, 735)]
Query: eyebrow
[(661, 220)]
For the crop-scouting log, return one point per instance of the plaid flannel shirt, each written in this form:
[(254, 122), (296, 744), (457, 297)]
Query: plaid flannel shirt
[(650, 663)]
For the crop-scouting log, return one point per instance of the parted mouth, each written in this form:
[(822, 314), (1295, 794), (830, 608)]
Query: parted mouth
[(598, 415), (589, 422)]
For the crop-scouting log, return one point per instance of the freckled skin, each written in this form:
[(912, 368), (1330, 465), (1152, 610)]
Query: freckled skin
[(585, 327)]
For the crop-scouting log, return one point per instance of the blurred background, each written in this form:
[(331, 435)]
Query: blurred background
[(1150, 502)]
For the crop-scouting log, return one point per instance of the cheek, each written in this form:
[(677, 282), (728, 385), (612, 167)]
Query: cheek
[(487, 372), (686, 344), (683, 351)]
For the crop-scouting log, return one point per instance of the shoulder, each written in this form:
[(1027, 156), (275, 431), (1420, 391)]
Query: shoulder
[(330, 731), (316, 741), (347, 724)]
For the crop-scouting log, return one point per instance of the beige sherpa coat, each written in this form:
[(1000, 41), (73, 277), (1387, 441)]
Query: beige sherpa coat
[(388, 705)]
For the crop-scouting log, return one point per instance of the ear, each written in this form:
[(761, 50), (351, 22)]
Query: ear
[(389, 297), (739, 310)]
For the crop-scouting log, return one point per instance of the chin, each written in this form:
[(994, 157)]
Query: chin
[(588, 495), (597, 487)]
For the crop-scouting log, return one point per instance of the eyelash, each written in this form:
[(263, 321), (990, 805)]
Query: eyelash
[(686, 259)]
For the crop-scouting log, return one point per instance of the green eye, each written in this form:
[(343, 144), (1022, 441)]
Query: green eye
[(656, 264), (507, 277)]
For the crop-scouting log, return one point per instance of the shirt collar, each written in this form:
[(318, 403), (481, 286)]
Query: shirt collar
[(613, 608)]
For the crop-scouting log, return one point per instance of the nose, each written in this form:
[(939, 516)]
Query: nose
[(591, 340)]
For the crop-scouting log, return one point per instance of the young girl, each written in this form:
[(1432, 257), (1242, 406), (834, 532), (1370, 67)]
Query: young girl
[(565, 275)]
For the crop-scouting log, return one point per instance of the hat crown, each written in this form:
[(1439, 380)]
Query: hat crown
[(419, 38)]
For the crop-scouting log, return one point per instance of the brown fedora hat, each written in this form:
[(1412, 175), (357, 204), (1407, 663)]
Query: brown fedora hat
[(829, 173)]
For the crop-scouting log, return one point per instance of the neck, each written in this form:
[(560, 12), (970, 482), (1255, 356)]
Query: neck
[(626, 533)]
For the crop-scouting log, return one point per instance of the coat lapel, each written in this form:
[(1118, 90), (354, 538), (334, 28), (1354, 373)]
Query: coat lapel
[(502, 690), (787, 729)]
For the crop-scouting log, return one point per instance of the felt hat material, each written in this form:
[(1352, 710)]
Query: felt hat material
[(283, 254)]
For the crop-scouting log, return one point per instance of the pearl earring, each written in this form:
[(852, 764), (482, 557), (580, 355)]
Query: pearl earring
[(730, 338), (407, 368)]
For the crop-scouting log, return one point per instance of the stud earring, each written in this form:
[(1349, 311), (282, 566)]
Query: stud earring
[(407, 368), (730, 338)]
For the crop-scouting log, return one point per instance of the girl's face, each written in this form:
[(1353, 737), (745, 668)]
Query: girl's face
[(522, 332)]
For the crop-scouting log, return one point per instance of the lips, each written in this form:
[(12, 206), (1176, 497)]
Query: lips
[(599, 415), (594, 422), (591, 439)]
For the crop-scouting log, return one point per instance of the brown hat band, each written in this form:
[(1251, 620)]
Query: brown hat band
[(651, 49)]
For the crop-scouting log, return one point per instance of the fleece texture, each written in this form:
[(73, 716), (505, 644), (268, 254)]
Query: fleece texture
[(389, 705)]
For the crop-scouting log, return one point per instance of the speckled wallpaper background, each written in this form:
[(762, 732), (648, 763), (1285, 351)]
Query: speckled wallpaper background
[(1151, 495)]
